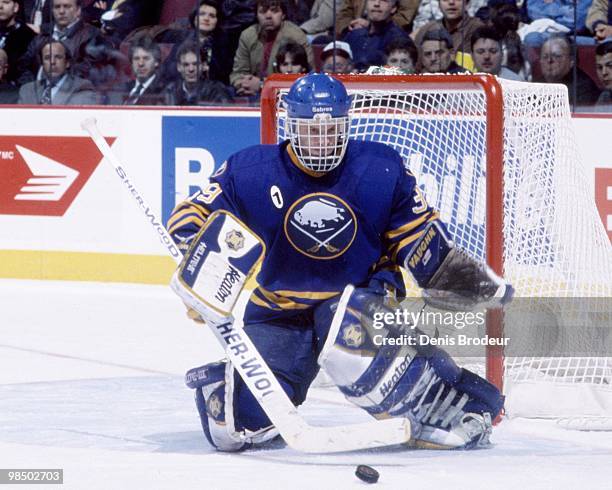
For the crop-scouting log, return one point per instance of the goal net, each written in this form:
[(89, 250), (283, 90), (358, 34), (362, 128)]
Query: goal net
[(498, 159)]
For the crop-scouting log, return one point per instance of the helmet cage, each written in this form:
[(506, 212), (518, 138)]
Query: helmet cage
[(319, 142)]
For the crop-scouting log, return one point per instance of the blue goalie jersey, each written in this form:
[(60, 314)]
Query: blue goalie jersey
[(354, 224)]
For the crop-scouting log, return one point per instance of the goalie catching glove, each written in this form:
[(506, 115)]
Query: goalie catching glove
[(451, 279)]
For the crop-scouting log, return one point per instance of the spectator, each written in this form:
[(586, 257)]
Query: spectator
[(194, 87), (321, 19), (403, 54), (291, 58), (557, 63), (237, 15), (436, 53), (15, 36), (505, 18), (430, 10), (546, 18), (298, 11), (603, 60), (337, 58), (68, 27), (57, 85), (487, 54), (8, 90), (146, 89), (456, 21), (205, 21), (259, 45), (120, 17), (368, 43), (35, 13), (599, 19), (353, 15)]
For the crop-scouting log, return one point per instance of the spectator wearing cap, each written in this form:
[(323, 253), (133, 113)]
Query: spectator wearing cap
[(403, 54), (557, 66), (337, 58), (353, 14), (291, 58), (368, 43), (456, 21), (259, 44), (436, 53), (487, 54), (603, 62), (599, 19)]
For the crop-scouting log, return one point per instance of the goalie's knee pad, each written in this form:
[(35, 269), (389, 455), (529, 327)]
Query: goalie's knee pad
[(214, 397), (450, 406)]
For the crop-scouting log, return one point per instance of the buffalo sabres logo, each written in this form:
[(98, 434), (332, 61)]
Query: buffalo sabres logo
[(320, 226), (353, 335), (215, 405), (234, 240)]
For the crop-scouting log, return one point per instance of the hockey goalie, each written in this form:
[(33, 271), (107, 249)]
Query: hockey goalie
[(331, 220)]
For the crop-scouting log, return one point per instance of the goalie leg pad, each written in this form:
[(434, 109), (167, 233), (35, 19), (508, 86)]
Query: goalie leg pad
[(214, 398), (231, 417), (450, 406)]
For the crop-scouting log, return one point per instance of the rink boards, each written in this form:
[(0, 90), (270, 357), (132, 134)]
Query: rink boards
[(64, 215)]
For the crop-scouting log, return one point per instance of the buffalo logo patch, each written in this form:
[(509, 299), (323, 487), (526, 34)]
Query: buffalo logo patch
[(320, 226), (353, 335), (214, 406), (234, 240)]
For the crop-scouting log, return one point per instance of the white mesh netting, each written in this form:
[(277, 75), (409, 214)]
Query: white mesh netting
[(555, 246)]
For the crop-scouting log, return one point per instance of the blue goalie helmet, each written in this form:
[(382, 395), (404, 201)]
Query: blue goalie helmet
[(317, 122)]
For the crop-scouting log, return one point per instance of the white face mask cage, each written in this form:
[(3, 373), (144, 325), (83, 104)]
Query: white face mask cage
[(319, 143)]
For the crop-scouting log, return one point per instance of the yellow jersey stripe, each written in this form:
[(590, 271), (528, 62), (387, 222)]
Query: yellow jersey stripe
[(281, 302), (411, 225), (188, 219), (260, 302), (316, 295), (406, 241), (204, 211), (178, 216)]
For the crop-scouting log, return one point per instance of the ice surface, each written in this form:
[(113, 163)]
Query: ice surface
[(91, 381)]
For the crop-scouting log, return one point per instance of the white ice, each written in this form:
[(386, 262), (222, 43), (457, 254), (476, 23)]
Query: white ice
[(91, 382)]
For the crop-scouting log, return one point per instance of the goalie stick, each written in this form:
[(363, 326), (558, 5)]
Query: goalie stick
[(297, 432)]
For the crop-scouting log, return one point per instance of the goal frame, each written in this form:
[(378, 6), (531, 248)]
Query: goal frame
[(494, 117)]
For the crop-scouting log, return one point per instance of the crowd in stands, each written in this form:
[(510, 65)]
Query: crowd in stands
[(219, 52)]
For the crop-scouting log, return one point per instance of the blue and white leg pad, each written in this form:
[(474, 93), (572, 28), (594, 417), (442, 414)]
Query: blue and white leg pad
[(215, 269), (214, 396), (452, 406)]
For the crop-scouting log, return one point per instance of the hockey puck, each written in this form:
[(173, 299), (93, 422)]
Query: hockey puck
[(366, 473)]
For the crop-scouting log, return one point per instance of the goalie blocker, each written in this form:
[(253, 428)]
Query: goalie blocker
[(229, 254), (451, 279)]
